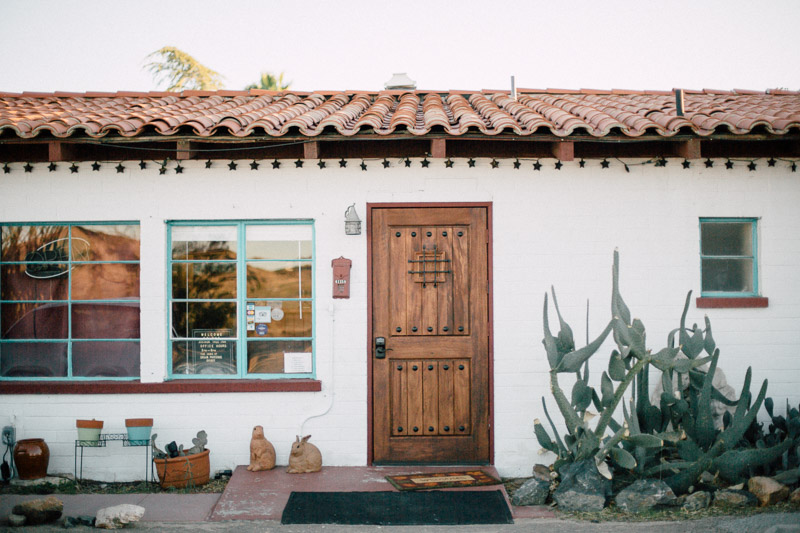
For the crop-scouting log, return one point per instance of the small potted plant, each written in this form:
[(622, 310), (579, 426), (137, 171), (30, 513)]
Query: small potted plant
[(139, 430), (89, 432)]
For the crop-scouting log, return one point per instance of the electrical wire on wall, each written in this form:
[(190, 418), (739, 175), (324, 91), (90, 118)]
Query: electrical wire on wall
[(332, 311)]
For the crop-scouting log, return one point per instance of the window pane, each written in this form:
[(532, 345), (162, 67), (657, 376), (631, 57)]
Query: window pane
[(279, 242), (203, 357), (33, 359), (728, 275), (105, 320), (727, 238), (118, 242), (205, 281), (285, 319), (204, 242), (193, 319), (34, 320), (33, 243), (17, 284), (105, 281), (105, 359), (278, 279), (268, 357)]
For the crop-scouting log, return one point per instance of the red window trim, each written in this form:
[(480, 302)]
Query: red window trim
[(167, 387), (732, 303)]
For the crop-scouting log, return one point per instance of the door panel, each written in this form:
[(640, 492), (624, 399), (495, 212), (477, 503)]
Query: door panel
[(430, 392)]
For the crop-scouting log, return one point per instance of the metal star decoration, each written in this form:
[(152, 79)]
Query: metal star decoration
[(558, 165), (604, 163), (95, 166), (471, 162), (448, 163), (298, 163), (143, 165), (662, 162), (209, 163), (771, 162), (537, 166), (686, 163), (51, 167), (709, 163), (179, 169), (425, 163), (407, 162), (751, 166), (6, 169), (321, 164), (28, 167), (495, 163), (794, 167), (232, 165), (517, 164), (74, 168), (582, 163), (162, 170), (276, 164), (342, 163), (385, 163), (363, 166), (120, 168), (729, 164), (254, 165)]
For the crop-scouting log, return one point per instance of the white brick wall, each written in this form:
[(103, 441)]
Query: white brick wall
[(550, 228)]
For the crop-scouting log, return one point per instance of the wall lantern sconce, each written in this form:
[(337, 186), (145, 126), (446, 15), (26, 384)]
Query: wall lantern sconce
[(352, 224)]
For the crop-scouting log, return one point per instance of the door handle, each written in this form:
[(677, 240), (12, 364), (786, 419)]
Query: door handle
[(380, 347)]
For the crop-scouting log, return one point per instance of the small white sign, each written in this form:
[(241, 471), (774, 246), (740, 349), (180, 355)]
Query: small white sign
[(251, 326), (263, 314), (277, 313), (296, 363)]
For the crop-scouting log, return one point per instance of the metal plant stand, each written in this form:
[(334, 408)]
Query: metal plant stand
[(101, 443)]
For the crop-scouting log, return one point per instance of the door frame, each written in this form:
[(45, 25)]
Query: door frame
[(490, 295)]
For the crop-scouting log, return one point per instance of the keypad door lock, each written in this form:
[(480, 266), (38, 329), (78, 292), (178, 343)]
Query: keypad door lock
[(380, 348)]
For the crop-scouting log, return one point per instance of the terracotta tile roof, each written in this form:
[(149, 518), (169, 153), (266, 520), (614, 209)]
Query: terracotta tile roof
[(559, 112)]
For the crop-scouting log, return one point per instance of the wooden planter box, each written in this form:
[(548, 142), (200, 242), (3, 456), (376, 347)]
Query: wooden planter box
[(180, 472)]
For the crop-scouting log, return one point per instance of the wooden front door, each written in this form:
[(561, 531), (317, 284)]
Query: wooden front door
[(430, 305)]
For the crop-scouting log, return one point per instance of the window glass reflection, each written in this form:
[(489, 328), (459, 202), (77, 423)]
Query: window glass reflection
[(117, 242), (33, 359), (268, 357), (42, 320), (279, 242), (193, 319), (17, 284), (105, 359), (204, 242), (207, 281), (105, 281), (278, 279)]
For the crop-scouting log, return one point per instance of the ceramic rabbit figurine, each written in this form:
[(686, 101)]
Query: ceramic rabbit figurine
[(262, 452), (305, 457)]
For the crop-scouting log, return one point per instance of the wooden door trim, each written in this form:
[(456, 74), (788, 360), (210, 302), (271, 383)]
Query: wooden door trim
[(490, 289)]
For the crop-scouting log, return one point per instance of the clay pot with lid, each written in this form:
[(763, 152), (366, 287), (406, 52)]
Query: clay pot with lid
[(31, 457)]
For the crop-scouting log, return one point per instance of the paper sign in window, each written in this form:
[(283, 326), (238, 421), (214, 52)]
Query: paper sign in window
[(296, 363)]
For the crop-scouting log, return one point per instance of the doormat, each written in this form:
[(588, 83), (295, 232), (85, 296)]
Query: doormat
[(397, 508), (442, 480)]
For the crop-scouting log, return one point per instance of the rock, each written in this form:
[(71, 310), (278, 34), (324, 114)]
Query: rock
[(708, 478), (732, 497), (542, 473), (582, 488), (767, 490), (69, 522), (532, 492), (118, 516), (16, 520), (696, 501), (788, 477), (85, 520), (40, 511), (794, 497), (643, 495), (74, 521)]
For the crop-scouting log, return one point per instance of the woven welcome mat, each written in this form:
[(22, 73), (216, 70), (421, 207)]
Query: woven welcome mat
[(442, 480)]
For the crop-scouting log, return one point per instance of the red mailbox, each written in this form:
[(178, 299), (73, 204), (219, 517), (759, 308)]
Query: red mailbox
[(341, 277)]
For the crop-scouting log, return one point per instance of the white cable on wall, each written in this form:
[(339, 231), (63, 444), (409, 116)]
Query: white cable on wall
[(332, 311)]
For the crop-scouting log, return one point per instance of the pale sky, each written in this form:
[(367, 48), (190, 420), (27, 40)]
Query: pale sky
[(71, 45)]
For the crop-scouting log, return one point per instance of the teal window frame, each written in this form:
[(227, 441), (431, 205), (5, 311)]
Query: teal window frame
[(70, 262), (241, 298), (754, 257)]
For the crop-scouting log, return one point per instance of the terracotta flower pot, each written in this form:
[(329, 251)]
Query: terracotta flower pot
[(139, 430), (89, 431), (179, 472), (31, 456)]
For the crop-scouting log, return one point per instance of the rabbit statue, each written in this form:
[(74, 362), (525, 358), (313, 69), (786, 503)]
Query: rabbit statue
[(305, 457), (262, 452)]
